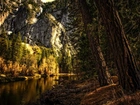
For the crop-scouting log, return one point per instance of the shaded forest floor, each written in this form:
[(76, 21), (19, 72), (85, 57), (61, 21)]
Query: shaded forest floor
[(87, 92)]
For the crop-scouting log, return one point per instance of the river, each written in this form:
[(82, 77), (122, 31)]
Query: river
[(22, 92)]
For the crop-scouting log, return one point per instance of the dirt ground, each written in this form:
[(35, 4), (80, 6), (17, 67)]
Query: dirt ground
[(87, 92)]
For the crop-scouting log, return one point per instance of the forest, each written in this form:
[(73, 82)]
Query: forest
[(97, 41)]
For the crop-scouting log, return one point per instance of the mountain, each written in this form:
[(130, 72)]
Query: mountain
[(40, 23)]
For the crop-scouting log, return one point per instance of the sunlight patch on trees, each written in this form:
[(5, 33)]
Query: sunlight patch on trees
[(45, 1)]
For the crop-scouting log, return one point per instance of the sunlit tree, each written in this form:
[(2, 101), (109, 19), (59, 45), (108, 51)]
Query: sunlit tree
[(3, 44), (16, 47)]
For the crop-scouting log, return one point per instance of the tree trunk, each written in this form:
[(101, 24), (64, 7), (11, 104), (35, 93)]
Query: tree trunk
[(103, 74), (129, 74)]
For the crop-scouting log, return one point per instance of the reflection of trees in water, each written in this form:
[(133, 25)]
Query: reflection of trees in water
[(21, 92), (24, 91)]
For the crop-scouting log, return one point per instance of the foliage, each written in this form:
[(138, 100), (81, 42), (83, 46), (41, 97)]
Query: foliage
[(85, 57), (3, 44), (82, 60), (42, 60), (130, 16), (20, 58), (16, 48)]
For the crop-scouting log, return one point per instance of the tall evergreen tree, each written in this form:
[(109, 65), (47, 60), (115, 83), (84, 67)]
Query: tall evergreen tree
[(129, 74), (103, 74), (3, 44), (16, 47)]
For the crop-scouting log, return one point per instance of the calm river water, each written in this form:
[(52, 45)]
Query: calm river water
[(22, 92)]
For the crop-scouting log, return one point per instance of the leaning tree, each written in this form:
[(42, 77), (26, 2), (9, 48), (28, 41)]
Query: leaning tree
[(128, 72)]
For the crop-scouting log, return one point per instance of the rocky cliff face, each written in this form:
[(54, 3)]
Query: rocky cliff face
[(39, 24)]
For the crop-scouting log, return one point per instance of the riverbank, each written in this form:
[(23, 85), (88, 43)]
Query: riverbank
[(7, 79), (87, 92)]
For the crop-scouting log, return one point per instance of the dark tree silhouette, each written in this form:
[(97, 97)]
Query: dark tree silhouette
[(103, 74), (129, 74)]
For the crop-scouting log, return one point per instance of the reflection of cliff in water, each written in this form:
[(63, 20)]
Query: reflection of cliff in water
[(19, 93)]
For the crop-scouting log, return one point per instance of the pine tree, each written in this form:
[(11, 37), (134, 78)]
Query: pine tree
[(102, 69), (3, 44), (16, 47), (129, 73)]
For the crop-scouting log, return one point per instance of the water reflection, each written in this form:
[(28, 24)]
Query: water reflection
[(19, 93)]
